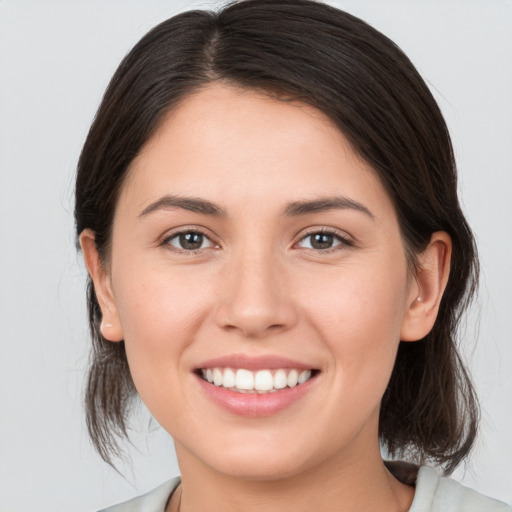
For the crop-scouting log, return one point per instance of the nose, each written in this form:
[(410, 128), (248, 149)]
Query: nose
[(255, 298)]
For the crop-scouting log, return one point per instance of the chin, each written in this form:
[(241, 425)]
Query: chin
[(258, 468), (256, 458)]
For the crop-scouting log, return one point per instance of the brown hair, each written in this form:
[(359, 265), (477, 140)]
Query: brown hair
[(359, 78)]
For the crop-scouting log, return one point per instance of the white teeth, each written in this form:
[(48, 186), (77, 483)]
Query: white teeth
[(304, 376), (293, 378), (244, 380), (280, 381), (229, 378), (261, 381), (217, 377)]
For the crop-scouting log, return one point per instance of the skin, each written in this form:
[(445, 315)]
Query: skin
[(257, 287)]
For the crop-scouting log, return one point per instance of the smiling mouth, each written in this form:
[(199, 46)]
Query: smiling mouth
[(259, 382)]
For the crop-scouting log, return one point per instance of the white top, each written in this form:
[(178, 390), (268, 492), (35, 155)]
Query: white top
[(433, 494)]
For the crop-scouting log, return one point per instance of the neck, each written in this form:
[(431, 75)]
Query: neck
[(349, 484)]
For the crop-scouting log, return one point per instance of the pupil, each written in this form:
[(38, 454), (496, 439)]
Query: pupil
[(322, 241), (191, 240)]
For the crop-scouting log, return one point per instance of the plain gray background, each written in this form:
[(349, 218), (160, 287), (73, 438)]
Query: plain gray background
[(56, 58)]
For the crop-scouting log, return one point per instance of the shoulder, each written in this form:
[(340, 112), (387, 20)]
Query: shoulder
[(153, 501), (440, 494)]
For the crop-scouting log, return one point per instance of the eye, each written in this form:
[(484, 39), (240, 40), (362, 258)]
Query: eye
[(323, 240), (189, 241)]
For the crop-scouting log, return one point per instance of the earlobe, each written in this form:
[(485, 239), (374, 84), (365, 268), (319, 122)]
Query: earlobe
[(110, 326), (427, 288)]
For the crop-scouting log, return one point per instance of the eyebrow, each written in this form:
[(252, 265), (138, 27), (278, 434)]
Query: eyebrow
[(293, 209), (191, 204), (325, 204)]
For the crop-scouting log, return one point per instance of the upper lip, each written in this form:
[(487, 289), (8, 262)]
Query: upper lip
[(262, 362)]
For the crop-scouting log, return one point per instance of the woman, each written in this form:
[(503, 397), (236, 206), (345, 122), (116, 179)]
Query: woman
[(267, 207)]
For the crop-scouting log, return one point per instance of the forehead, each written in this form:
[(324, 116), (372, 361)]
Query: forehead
[(224, 142)]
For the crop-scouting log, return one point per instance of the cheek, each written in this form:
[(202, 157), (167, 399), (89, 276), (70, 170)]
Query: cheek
[(359, 313), (160, 314), (359, 299)]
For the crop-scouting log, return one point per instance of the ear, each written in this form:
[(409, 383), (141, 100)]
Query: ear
[(110, 328), (427, 288)]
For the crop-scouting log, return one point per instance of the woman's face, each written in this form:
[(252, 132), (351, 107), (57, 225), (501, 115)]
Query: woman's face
[(251, 246)]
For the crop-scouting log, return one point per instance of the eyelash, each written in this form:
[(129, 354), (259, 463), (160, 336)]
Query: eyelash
[(344, 242), (166, 241)]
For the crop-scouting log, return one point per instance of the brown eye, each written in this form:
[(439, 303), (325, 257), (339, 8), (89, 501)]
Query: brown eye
[(190, 241), (323, 241)]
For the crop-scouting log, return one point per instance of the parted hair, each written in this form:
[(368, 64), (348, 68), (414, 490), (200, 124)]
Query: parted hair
[(314, 53)]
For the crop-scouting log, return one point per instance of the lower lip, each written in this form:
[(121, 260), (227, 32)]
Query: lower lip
[(255, 405)]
